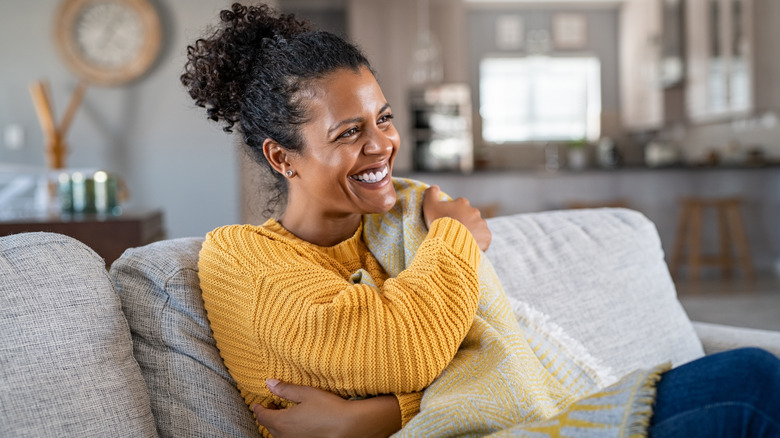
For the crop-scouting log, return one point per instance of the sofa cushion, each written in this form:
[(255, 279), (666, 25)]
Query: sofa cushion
[(191, 390), (66, 357), (597, 281)]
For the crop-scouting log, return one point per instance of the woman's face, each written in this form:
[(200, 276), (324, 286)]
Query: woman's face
[(349, 145)]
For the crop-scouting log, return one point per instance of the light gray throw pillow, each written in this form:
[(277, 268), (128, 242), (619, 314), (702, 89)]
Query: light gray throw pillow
[(598, 280), (66, 357), (192, 393)]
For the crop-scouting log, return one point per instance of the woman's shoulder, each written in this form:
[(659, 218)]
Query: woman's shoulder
[(236, 232), (243, 242)]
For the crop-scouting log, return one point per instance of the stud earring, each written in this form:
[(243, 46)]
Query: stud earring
[(289, 173)]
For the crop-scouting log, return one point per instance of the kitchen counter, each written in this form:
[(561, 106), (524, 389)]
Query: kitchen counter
[(653, 191), (540, 170)]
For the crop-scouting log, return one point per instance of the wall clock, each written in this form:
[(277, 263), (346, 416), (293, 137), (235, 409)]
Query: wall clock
[(108, 42)]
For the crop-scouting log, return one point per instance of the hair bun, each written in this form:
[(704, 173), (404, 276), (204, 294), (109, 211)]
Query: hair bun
[(219, 66)]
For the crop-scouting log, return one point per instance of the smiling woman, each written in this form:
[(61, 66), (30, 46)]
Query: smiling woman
[(311, 112), (368, 291), (344, 171)]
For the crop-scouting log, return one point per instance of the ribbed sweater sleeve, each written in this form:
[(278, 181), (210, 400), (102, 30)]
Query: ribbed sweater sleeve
[(280, 309), (410, 405)]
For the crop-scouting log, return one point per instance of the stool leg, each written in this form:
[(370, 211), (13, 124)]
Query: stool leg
[(679, 239), (724, 237), (694, 243), (740, 240)]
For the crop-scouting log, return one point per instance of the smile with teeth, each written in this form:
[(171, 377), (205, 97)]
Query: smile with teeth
[(371, 177)]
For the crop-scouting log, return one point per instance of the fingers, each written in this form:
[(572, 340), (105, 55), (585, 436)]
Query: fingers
[(268, 415), (288, 391), (430, 196), (263, 415), (432, 193), (463, 203)]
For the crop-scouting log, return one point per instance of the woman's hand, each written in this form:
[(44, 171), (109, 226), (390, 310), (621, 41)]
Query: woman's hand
[(458, 209), (322, 414)]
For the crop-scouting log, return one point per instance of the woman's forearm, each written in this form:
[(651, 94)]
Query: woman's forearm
[(318, 413), (375, 417)]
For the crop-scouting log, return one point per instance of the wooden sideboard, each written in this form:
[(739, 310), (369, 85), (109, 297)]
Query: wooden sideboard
[(109, 236)]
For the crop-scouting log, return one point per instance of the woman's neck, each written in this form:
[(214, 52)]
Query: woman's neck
[(320, 230)]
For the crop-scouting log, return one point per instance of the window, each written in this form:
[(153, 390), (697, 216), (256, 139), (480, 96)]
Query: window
[(540, 98)]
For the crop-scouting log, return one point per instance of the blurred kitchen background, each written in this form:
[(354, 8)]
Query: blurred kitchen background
[(519, 105)]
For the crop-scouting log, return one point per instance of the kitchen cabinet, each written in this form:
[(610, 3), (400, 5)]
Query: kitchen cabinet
[(732, 58), (442, 135), (721, 79), (651, 63), (641, 94)]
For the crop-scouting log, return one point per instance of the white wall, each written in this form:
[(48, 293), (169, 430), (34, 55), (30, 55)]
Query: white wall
[(149, 132)]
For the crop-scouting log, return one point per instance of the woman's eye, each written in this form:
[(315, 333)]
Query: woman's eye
[(349, 133), (385, 119)]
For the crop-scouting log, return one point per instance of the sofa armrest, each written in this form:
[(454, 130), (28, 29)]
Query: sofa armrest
[(719, 337)]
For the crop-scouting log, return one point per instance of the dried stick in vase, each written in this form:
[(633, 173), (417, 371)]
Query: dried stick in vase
[(73, 106), (54, 135)]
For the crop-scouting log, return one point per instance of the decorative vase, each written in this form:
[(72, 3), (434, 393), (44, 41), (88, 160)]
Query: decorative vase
[(577, 158)]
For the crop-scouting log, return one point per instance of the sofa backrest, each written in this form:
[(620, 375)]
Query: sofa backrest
[(597, 282), (593, 280), (66, 357), (191, 391)]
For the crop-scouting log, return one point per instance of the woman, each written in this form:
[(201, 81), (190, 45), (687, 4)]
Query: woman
[(314, 298)]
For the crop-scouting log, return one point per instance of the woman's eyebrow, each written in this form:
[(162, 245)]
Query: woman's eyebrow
[(344, 122), (355, 119)]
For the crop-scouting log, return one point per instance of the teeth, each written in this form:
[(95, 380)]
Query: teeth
[(371, 177)]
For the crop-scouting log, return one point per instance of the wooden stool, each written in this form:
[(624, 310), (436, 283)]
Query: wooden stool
[(489, 210), (730, 231), (616, 203)]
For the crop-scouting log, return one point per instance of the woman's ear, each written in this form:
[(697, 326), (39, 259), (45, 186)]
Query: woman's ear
[(276, 155)]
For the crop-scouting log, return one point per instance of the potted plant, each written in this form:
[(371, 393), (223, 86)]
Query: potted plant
[(578, 155)]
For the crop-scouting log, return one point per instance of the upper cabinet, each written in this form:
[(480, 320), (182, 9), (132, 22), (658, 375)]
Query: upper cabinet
[(733, 62), (641, 95), (698, 60), (651, 63), (720, 80)]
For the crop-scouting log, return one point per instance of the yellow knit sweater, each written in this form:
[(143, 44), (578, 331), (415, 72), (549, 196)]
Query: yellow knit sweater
[(329, 317)]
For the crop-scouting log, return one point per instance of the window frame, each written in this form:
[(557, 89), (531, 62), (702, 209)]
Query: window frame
[(594, 107)]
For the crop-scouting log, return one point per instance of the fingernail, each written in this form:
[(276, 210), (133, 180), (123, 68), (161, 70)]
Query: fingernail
[(271, 382)]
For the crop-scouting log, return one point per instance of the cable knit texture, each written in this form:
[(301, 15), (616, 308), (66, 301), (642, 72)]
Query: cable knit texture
[(330, 317), (387, 311)]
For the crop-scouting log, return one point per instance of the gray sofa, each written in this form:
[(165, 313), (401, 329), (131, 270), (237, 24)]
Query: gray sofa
[(86, 352)]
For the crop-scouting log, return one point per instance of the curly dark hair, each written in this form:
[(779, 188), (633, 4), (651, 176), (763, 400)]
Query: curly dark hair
[(252, 72)]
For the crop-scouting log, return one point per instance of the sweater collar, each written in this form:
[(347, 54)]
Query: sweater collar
[(345, 250)]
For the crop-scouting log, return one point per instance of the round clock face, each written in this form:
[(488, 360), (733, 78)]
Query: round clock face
[(108, 42), (109, 34)]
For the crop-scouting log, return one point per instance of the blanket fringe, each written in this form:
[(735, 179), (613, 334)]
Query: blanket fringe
[(601, 374), (639, 416)]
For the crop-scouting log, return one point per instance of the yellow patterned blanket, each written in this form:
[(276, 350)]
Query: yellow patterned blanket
[(509, 377)]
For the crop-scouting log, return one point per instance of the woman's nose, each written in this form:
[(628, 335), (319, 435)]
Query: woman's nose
[(380, 143)]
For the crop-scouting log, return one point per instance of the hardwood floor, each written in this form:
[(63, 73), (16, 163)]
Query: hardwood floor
[(737, 302)]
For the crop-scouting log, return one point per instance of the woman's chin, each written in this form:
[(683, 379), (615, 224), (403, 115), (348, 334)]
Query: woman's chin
[(386, 204)]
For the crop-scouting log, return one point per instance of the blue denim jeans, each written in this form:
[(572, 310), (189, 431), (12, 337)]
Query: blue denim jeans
[(730, 394)]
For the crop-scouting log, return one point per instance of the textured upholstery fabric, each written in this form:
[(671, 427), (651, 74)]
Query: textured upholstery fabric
[(717, 337), (66, 363), (66, 369), (599, 278), (191, 390)]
